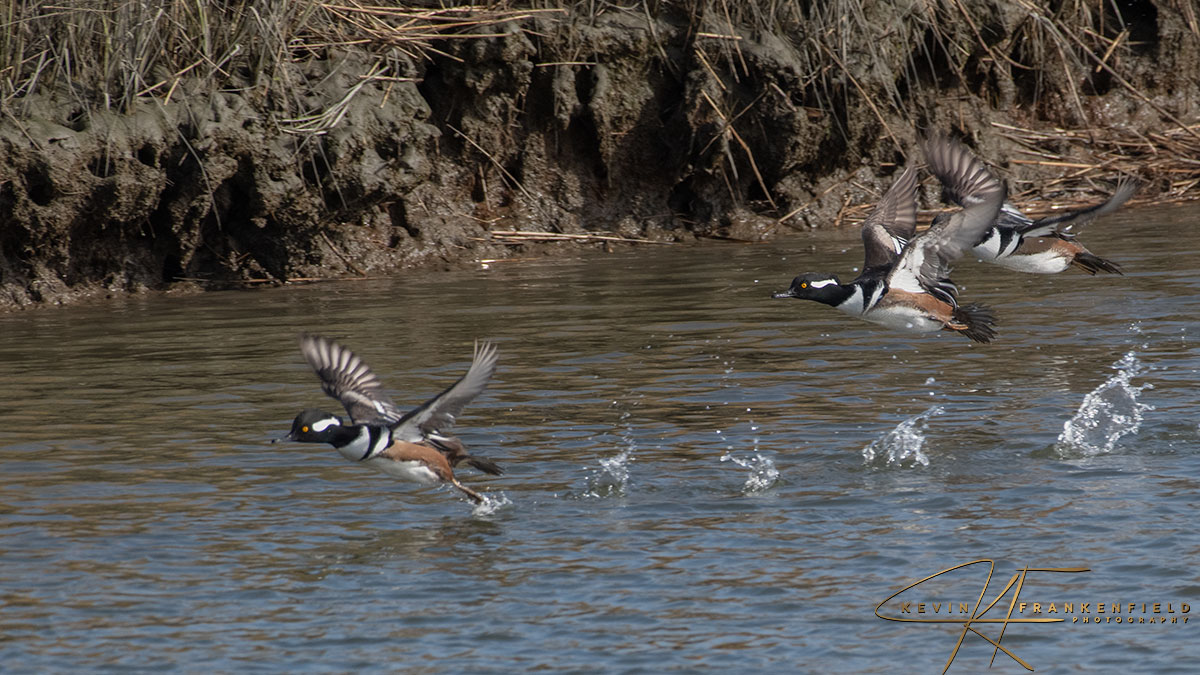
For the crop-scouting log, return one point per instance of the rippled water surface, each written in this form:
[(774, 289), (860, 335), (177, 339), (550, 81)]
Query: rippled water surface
[(700, 478)]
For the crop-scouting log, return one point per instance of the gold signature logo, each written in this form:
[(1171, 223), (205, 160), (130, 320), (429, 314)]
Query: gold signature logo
[(978, 612), (976, 615)]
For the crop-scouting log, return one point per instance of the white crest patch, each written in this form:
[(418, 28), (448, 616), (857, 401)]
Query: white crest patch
[(325, 424), (823, 283)]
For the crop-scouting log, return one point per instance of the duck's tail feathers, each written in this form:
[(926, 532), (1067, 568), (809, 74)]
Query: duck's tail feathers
[(485, 465), (978, 321), (456, 453), (1093, 263)]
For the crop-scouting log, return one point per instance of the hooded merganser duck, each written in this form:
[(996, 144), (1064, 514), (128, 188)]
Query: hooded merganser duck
[(409, 446), (905, 280), (1046, 245)]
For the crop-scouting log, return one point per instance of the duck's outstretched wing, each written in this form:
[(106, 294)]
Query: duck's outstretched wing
[(966, 181), (926, 261), (892, 224), (438, 413), (345, 377), (1126, 188)]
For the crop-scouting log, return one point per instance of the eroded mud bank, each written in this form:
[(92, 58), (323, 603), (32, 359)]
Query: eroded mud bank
[(668, 127)]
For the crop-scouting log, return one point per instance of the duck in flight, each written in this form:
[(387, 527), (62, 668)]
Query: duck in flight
[(410, 446), (905, 281), (1046, 245)]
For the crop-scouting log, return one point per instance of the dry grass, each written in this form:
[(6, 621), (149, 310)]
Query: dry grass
[(109, 54), (1045, 65), (1169, 157), (106, 54), (413, 31)]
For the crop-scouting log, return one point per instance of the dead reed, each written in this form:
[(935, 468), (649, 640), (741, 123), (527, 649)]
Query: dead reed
[(1042, 65), (897, 62), (109, 53), (1170, 158), (525, 237)]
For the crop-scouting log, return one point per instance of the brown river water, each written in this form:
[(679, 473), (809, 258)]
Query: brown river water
[(699, 478)]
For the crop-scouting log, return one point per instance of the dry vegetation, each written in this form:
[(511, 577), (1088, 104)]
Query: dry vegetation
[(1066, 51), (107, 55)]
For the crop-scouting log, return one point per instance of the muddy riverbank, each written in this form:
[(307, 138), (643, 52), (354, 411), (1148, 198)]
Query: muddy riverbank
[(338, 144)]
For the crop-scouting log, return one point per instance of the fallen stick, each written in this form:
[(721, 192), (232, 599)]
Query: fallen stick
[(520, 236)]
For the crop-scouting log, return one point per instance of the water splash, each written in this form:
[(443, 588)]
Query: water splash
[(1109, 412), (492, 502), (902, 445), (763, 473), (612, 476)]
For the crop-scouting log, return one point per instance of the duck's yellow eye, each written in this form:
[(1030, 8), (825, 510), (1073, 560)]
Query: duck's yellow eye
[(804, 285), (304, 430)]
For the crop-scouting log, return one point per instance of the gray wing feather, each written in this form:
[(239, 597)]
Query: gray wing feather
[(965, 179), (892, 223), (439, 413), (1126, 188), (346, 378), (927, 259)]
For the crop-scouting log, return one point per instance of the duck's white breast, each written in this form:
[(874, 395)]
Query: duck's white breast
[(412, 471), (903, 317), (1044, 262)]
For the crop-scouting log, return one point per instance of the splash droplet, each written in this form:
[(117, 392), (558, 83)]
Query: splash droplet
[(492, 502), (763, 473), (903, 444), (612, 476), (1107, 413)]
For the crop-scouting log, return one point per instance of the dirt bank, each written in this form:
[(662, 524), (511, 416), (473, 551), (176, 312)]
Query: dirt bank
[(668, 121)]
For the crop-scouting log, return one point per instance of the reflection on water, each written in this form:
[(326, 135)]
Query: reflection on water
[(685, 488)]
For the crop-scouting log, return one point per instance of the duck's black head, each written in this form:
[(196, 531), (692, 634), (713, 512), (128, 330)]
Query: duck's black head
[(314, 426), (814, 286)]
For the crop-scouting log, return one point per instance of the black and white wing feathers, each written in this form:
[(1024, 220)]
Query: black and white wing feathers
[(346, 378), (892, 224), (1012, 218), (926, 261)]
